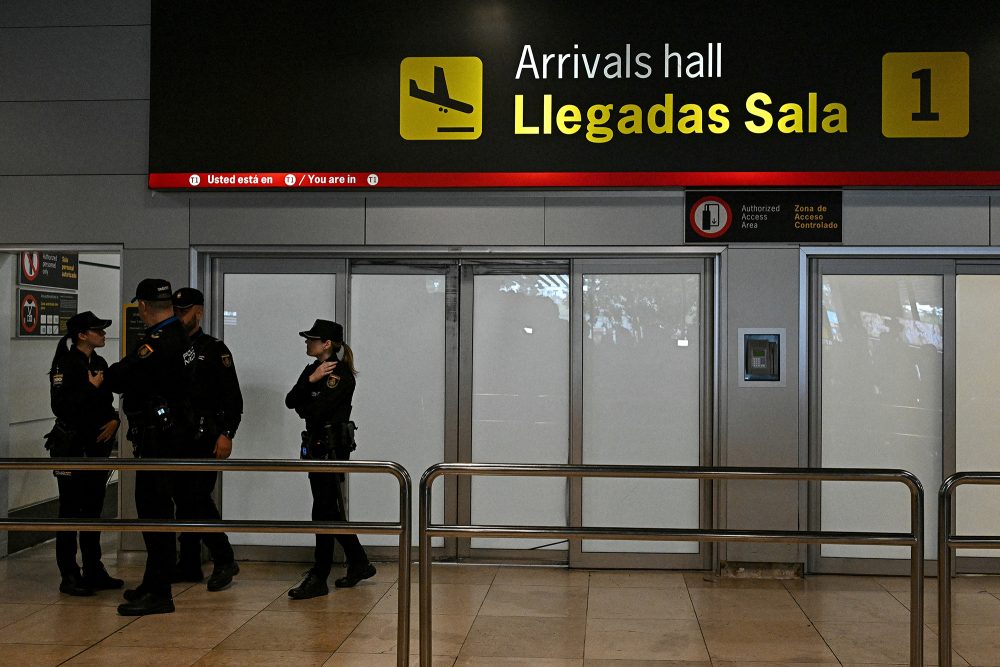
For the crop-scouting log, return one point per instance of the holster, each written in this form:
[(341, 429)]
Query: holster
[(334, 442), (61, 441)]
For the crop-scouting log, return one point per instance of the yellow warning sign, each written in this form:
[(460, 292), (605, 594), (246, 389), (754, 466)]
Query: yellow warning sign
[(441, 98), (925, 94)]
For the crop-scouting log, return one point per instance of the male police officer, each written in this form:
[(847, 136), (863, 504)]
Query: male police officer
[(217, 405), (156, 388)]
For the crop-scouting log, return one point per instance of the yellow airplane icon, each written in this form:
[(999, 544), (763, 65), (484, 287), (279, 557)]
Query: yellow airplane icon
[(421, 106)]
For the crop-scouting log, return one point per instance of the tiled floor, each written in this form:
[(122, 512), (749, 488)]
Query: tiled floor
[(493, 615)]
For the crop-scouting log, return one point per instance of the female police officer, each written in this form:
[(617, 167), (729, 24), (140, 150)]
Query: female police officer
[(322, 396), (86, 423)]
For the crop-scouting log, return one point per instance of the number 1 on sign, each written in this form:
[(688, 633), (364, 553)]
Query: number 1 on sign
[(925, 113)]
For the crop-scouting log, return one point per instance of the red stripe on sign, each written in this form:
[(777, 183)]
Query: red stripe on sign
[(567, 179)]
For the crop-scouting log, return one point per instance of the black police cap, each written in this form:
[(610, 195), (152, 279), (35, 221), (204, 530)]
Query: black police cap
[(325, 330), (186, 297), (153, 289), (86, 321)]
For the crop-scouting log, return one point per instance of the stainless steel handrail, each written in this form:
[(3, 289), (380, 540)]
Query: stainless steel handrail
[(914, 539), (402, 528), (947, 542)]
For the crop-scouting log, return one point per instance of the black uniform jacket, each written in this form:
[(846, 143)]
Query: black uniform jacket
[(216, 391), (78, 405), (156, 371), (323, 402)]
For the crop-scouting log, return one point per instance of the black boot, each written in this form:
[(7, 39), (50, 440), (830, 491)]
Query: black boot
[(312, 586), (354, 575), (147, 604), (73, 584), (99, 579), (222, 575)]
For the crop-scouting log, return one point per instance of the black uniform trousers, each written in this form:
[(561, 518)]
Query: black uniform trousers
[(193, 497), (328, 505), (81, 496)]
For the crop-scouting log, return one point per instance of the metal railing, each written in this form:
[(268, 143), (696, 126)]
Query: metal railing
[(400, 528), (914, 539), (947, 543)]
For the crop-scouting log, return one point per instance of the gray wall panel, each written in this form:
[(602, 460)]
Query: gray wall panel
[(455, 221), (29, 13), (915, 219), (304, 218), (91, 209), (614, 221), (75, 137), (762, 422), (85, 63), (994, 220)]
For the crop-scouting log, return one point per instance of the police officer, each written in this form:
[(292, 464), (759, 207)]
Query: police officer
[(217, 405), (322, 396), (156, 387), (86, 424)]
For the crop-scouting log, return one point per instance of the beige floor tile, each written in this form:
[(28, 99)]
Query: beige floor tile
[(551, 601), (726, 663), (882, 643), (709, 580), (832, 583), (381, 660), (37, 655), (902, 584), (101, 655), (637, 579), (293, 631), (377, 634), (456, 599), (758, 641), (235, 658), (66, 625), (247, 595), (272, 571), (647, 663), (663, 603), (851, 606), (360, 599), (541, 576), (727, 603), (644, 639), (458, 573), (966, 608), (101, 599), (12, 613), (513, 637), (517, 662), (27, 590), (978, 644), (182, 629)]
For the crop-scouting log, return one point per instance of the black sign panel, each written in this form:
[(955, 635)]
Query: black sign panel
[(39, 268), (738, 216), (133, 328), (319, 94), (44, 313)]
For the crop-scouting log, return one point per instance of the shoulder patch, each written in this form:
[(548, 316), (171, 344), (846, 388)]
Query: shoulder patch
[(227, 360), (332, 381), (57, 379), (144, 351)]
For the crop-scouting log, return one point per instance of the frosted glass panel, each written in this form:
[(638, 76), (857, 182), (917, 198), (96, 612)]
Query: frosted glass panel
[(262, 318), (520, 400), (977, 405), (881, 356), (398, 337), (641, 390)]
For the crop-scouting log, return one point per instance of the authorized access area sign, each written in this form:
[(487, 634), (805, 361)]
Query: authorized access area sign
[(737, 216), (40, 268), (319, 94)]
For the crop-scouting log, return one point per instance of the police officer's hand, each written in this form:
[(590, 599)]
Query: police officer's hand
[(96, 379), (223, 446), (108, 431), (322, 371)]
